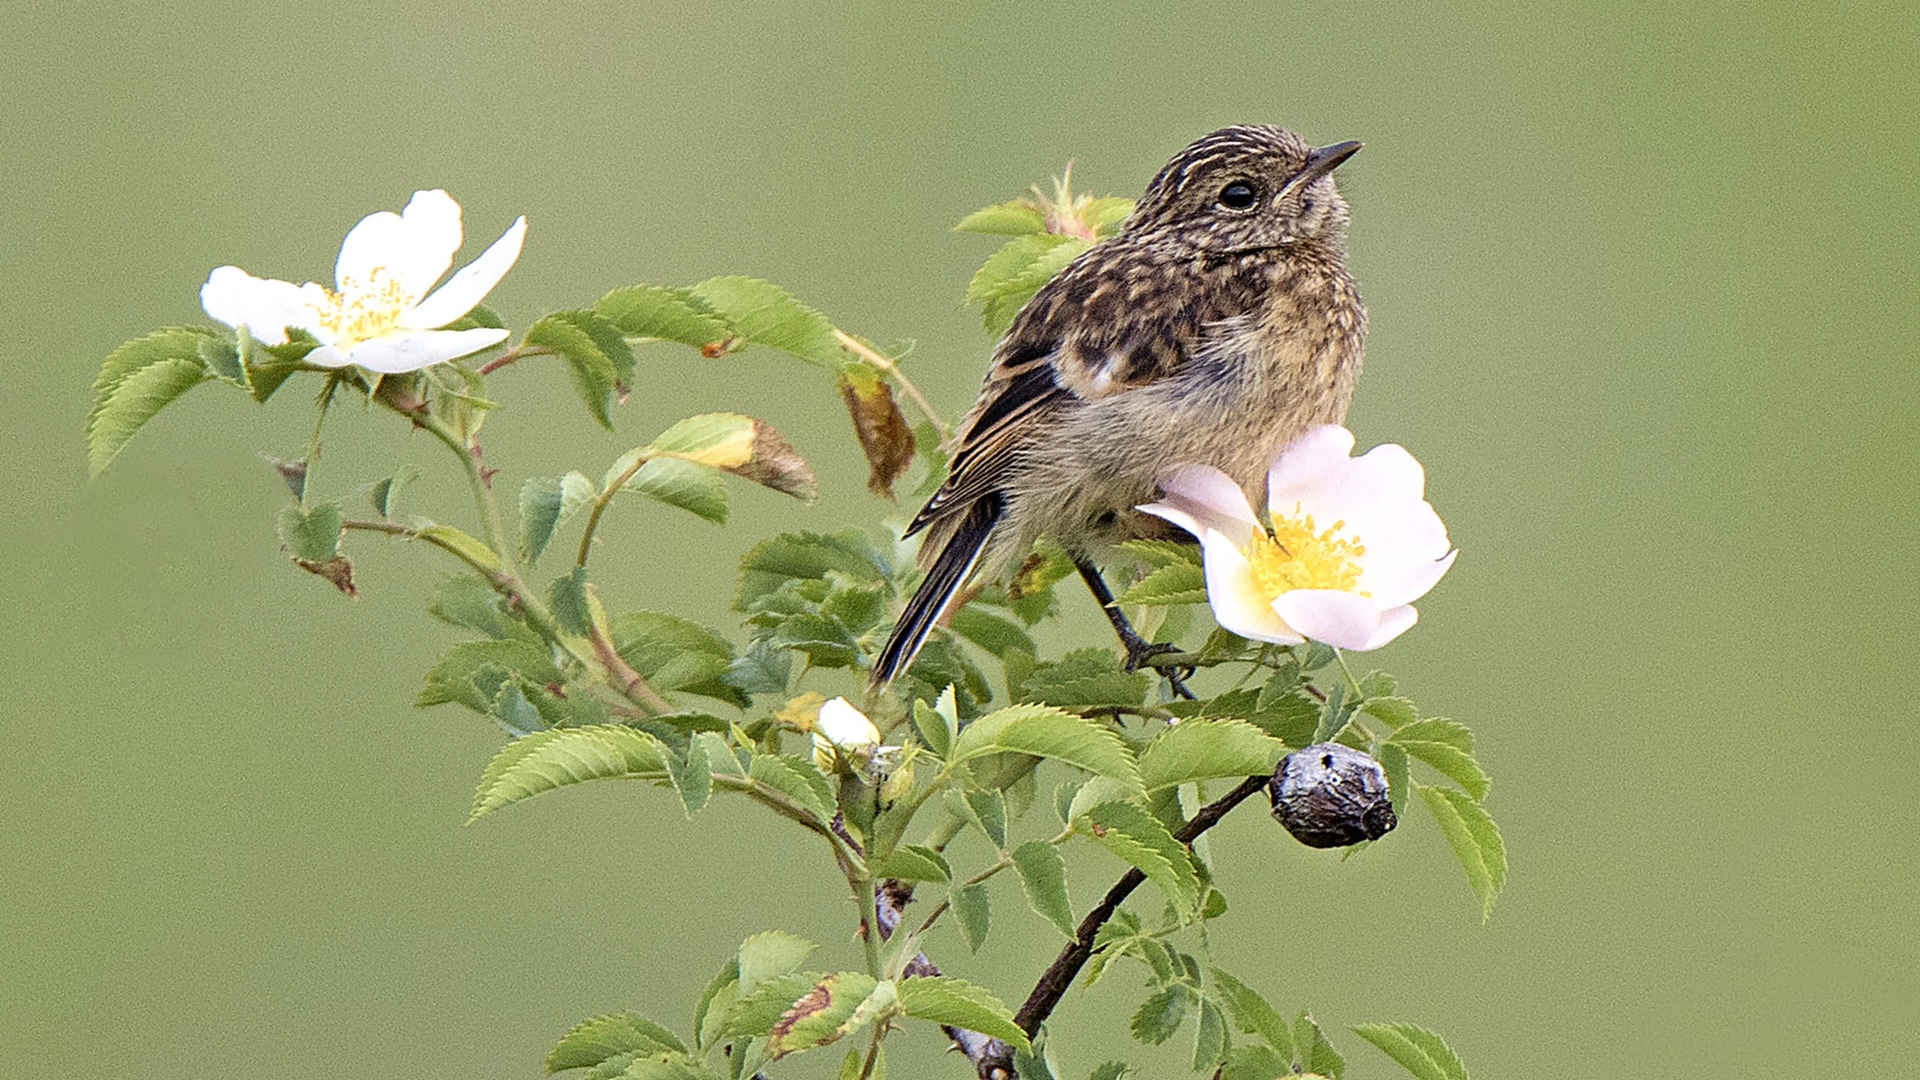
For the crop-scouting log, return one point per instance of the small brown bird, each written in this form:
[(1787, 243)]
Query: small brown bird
[(1216, 327)]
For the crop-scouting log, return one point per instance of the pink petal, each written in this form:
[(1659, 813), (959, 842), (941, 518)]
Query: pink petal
[(471, 285), (1209, 497), (1311, 462), (1404, 583)]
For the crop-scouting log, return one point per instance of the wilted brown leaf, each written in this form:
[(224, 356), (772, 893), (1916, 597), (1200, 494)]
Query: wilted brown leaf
[(880, 427), (337, 570)]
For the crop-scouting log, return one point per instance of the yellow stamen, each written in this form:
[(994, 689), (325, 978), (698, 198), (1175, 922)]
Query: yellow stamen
[(1296, 556), (361, 311)]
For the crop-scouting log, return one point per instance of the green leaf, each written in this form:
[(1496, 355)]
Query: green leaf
[(774, 561), (562, 757), (135, 382), (959, 1003), (568, 599), (988, 811), (1177, 583), (1252, 1014), (975, 913), (1475, 840), (1017, 218), (1255, 1063), (692, 777), (514, 711), (716, 1002), (1161, 1014), (1084, 679), (591, 1042), (674, 653), (540, 500), (991, 632), (1447, 747), (762, 1006), (938, 731), (592, 370), (462, 544), (827, 1011), (1286, 712), (466, 601), (1115, 1070), (1312, 1049), (312, 535), (1207, 750), (1210, 1038), (1011, 275), (912, 862), (472, 672), (765, 314), (1143, 841), (763, 669), (1047, 732), (1419, 1051), (1043, 875), (650, 311), (798, 780), (690, 487), (770, 954), (609, 338), (382, 493), (1392, 711), (1393, 762)]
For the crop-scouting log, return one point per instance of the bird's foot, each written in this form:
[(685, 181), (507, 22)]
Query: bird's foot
[(1140, 651)]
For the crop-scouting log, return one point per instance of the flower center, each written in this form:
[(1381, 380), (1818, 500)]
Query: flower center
[(1296, 556), (361, 311)]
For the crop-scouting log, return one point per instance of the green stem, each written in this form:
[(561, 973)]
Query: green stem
[(600, 503), (1359, 695), (873, 1052)]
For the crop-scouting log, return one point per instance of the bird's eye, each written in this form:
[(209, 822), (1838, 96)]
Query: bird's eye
[(1237, 196)]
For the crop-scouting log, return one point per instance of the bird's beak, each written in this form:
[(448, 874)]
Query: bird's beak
[(1321, 162)]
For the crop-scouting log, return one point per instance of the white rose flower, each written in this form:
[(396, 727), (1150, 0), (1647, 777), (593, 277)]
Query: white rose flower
[(1351, 544), (380, 315), (845, 727)]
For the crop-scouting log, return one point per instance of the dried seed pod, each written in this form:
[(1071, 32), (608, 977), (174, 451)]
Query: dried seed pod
[(1329, 795)]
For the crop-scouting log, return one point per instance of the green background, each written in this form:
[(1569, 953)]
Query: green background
[(1643, 291)]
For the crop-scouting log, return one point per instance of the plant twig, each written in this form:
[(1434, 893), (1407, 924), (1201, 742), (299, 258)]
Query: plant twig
[(887, 367), (1053, 983)]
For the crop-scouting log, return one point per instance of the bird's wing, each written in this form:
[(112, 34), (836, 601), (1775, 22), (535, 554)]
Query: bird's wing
[(1082, 337)]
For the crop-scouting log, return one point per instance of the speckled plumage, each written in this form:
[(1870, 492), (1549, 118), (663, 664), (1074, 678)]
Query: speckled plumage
[(1201, 334)]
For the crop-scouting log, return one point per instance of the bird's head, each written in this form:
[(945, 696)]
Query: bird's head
[(1245, 188)]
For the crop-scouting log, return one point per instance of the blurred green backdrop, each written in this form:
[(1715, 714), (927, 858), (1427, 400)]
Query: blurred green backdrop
[(1643, 286)]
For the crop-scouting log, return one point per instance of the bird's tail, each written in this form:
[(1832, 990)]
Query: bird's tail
[(931, 600)]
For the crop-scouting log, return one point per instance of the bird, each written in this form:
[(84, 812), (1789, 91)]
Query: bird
[(1216, 326)]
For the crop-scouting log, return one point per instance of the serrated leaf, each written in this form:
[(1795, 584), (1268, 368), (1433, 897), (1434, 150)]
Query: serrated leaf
[(798, 780), (1444, 753), (312, 534), (716, 1003), (974, 911), (735, 444), (1312, 1050), (467, 601), (514, 711), (1143, 841), (548, 760), (568, 599), (1419, 1051), (135, 382), (763, 313), (1043, 876), (768, 955), (1393, 762), (879, 425), (1114, 1070), (1176, 583), (959, 1003), (1010, 276), (825, 1013), (1047, 732), (1210, 1038), (774, 561), (761, 1007), (1475, 840), (692, 777), (1084, 679), (1207, 750), (591, 1042), (1017, 218), (991, 632), (674, 653), (540, 500), (1257, 1062), (988, 811), (1252, 1014), (937, 730), (453, 677), (1158, 1017), (762, 669), (1392, 711), (693, 488), (913, 862), (651, 311), (593, 372), (609, 338)]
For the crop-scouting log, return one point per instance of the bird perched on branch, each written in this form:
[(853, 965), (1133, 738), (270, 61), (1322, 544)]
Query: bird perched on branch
[(1215, 328)]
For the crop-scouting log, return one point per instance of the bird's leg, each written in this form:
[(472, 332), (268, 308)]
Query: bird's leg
[(1139, 649)]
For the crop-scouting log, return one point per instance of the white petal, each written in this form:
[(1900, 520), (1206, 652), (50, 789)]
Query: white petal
[(1236, 601), (1342, 619), (1403, 584), (471, 285), (842, 724), (328, 356), (266, 307), (1177, 516), (1309, 464), (414, 247), (1209, 497), (416, 349), (1393, 623)]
